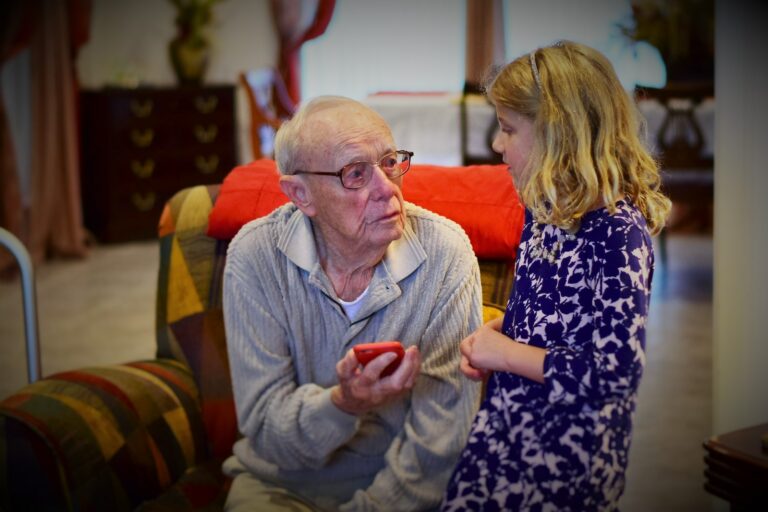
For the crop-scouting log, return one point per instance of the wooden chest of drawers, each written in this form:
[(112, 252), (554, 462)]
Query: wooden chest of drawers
[(140, 146)]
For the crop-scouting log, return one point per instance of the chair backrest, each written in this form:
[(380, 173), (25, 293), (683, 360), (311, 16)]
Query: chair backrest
[(269, 104), (189, 320)]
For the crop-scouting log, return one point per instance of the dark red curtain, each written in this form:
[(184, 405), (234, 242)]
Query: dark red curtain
[(292, 33)]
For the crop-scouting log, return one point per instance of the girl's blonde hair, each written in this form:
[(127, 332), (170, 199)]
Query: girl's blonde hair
[(587, 146)]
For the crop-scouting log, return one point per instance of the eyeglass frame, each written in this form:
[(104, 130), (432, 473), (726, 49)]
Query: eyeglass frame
[(340, 172)]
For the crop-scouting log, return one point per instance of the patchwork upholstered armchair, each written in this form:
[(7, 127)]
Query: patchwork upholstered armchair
[(151, 435)]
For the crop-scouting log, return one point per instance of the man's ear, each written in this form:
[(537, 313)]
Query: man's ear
[(298, 192)]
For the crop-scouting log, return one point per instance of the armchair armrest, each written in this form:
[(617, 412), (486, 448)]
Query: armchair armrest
[(105, 438)]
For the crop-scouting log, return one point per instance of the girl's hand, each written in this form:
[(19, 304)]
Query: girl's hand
[(477, 360), (487, 349)]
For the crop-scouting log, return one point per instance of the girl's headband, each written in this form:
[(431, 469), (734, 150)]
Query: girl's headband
[(535, 68)]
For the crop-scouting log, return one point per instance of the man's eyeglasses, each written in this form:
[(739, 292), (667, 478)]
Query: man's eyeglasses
[(358, 174)]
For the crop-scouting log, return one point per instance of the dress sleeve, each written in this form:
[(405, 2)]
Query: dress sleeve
[(605, 360), (293, 426), (443, 404)]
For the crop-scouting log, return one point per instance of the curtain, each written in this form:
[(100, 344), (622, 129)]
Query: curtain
[(54, 224), (485, 38), (16, 27), (297, 22)]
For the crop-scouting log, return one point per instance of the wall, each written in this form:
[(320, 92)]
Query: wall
[(534, 23), (129, 40), (397, 45), (17, 99), (370, 46), (740, 351)]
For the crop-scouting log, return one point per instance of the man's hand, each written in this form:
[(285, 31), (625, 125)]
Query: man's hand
[(363, 389)]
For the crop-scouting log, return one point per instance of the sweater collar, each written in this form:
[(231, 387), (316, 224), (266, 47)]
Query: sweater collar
[(297, 242)]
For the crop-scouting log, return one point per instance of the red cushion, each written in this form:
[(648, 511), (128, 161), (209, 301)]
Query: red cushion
[(480, 198), (248, 192)]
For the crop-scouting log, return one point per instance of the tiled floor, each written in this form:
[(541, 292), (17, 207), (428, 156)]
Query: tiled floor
[(95, 311), (101, 311)]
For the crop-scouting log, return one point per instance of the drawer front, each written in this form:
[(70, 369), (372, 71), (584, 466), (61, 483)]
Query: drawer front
[(154, 105), (173, 169), (209, 103), (191, 137), (175, 134)]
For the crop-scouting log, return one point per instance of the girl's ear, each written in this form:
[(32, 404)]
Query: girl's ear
[(298, 192)]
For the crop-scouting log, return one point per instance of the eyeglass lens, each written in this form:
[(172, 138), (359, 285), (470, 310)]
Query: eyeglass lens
[(357, 174)]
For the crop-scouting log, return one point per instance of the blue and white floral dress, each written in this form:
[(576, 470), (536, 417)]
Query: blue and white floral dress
[(563, 445)]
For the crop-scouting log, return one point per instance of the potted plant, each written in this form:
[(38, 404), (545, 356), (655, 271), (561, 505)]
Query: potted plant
[(189, 50)]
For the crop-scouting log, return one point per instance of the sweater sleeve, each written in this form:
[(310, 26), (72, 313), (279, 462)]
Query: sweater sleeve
[(606, 360), (421, 457), (290, 425)]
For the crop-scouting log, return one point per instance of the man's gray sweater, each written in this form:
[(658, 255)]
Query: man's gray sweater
[(286, 330)]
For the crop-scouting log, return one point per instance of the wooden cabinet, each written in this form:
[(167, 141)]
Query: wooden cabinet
[(140, 146)]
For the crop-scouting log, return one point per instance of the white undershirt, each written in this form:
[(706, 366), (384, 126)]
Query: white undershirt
[(351, 308)]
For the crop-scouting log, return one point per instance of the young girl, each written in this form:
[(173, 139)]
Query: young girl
[(554, 429)]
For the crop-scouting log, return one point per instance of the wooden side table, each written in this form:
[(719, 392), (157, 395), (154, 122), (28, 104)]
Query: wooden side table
[(737, 468)]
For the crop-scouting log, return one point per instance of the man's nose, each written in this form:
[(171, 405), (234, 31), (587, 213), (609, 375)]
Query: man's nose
[(381, 183)]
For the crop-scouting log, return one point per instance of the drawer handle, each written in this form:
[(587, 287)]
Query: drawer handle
[(206, 105), (142, 138), (206, 135), (143, 202), (207, 165), (141, 108), (143, 170)]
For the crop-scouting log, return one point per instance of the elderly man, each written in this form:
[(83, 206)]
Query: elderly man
[(346, 262)]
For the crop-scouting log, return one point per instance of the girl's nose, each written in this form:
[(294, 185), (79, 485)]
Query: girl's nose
[(496, 145)]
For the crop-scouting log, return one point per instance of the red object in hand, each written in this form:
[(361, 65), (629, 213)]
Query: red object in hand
[(366, 352)]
